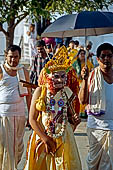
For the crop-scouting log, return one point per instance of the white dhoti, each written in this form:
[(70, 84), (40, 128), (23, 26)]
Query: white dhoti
[(11, 141), (100, 156)]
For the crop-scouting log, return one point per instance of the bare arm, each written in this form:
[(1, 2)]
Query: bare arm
[(83, 93), (33, 112), (49, 143)]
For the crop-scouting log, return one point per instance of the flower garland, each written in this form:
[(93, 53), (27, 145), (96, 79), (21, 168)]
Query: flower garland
[(54, 128)]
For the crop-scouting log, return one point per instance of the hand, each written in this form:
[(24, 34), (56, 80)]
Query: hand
[(77, 120), (50, 145), (85, 73)]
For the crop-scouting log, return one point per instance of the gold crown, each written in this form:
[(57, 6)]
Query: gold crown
[(60, 61)]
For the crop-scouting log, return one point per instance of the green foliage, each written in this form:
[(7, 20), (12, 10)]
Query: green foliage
[(14, 11), (70, 6), (18, 9)]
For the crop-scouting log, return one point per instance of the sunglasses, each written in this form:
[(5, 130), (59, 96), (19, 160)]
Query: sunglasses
[(104, 55)]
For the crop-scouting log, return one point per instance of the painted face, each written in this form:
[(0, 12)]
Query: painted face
[(105, 59), (13, 58), (59, 79)]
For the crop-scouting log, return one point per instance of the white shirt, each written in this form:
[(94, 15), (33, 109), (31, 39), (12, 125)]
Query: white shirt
[(104, 121)]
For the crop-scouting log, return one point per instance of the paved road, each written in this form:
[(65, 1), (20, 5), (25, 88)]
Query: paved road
[(82, 143), (81, 139)]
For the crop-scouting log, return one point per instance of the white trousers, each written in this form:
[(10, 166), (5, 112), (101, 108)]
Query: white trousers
[(100, 156), (11, 141)]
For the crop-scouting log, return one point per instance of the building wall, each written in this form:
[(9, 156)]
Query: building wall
[(20, 38)]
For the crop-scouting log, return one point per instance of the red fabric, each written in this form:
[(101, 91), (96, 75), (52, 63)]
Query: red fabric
[(73, 84), (50, 41)]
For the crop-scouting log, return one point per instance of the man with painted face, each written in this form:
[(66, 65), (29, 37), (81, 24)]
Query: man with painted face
[(12, 109), (97, 93), (53, 117)]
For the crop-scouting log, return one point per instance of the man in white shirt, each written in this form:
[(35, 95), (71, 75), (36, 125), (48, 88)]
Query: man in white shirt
[(97, 93)]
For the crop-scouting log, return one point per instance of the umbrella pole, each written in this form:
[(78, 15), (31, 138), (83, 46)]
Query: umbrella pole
[(85, 49)]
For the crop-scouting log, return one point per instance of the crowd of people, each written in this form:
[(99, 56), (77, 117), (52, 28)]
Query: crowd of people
[(69, 87)]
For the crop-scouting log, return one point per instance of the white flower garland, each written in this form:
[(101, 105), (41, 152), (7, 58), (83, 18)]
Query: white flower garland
[(63, 124)]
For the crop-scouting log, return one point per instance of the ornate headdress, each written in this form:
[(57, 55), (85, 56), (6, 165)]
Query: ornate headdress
[(60, 61)]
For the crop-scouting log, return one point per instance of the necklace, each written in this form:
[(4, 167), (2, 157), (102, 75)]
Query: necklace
[(57, 120)]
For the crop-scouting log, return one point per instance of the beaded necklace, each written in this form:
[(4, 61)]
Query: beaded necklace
[(55, 128)]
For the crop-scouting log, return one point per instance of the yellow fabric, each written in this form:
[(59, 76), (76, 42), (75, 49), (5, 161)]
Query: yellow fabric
[(90, 67), (60, 61), (72, 53), (40, 103), (66, 156)]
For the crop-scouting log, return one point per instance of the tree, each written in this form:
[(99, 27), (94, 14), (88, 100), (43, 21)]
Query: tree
[(70, 6), (14, 11)]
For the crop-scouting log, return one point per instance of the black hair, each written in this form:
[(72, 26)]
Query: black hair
[(40, 43), (71, 41), (57, 46), (13, 48), (81, 51), (104, 46), (76, 42), (33, 25)]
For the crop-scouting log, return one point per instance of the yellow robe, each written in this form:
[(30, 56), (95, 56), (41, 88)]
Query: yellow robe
[(72, 54), (90, 67), (66, 156)]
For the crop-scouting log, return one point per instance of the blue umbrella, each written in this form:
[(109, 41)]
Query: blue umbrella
[(85, 23)]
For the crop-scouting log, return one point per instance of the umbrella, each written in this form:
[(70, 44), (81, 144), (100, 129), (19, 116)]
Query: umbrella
[(85, 23)]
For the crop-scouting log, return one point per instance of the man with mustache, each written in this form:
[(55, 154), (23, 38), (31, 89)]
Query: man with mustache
[(12, 108), (97, 93)]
